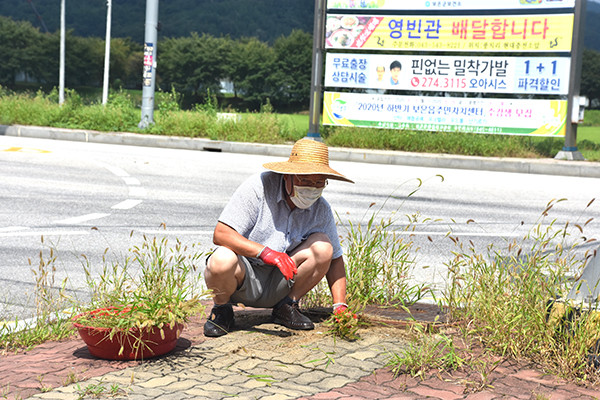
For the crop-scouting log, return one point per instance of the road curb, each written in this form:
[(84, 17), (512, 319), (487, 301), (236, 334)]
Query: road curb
[(517, 165)]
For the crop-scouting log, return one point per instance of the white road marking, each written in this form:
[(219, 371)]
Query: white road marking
[(81, 218), (179, 232), (477, 234), (126, 204), (135, 191), (13, 228), (43, 233), (131, 180), (115, 170)]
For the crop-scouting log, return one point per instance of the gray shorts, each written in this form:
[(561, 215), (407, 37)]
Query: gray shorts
[(263, 286)]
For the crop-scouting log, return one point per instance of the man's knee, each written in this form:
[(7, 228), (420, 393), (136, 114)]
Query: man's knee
[(223, 262), (321, 247)]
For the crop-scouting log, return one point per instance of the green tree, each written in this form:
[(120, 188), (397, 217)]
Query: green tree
[(22, 48), (192, 65), (291, 77), (252, 63), (84, 61), (125, 63), (590, 76)]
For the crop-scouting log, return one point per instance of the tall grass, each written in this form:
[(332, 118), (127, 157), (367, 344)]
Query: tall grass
[(121, 114), (156, 282), (504, 298), (156, 285), (502, 303), (50, 321), (380, 259)]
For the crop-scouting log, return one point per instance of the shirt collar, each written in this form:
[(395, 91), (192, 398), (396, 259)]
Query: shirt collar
[(280, 196)]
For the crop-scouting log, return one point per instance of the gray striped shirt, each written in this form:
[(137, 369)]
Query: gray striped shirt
[(258, 211)]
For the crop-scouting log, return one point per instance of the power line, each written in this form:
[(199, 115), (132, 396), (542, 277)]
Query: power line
[(39, 17)]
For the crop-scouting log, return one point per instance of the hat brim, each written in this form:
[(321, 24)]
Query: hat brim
[(305, 168)]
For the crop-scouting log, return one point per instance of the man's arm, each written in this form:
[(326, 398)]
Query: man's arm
[(228, 237), (336, 278), (225, 235)]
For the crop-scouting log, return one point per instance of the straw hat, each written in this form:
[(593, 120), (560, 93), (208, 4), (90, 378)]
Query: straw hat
[(307, 157)]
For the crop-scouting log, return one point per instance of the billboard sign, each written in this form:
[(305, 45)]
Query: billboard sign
[(520, 75), (481, 33), (446, 114)]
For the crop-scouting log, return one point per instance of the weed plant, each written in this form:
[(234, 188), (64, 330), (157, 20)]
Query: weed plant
[(99, 390), (50, 322), (504, 298), (425, 352), (380, 259), (156, 286), (344, 324)]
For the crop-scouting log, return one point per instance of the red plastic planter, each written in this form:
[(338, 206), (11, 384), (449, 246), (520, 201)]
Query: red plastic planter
[(135, 345)]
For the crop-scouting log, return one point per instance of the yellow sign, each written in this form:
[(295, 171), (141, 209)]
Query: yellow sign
[(446, 114), (481, 33), (22, 150)]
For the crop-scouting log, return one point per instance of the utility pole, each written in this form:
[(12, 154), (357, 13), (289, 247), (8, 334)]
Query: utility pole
[(61, 68), (107, 52), (149, 74), (317, 72), (570, 151)]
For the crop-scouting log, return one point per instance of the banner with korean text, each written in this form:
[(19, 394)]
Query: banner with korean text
[(521, 75), (489, 33), (446, 114), (446, 5)]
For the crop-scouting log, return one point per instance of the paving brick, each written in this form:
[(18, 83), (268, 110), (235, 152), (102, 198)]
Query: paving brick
[(364, 392), (199, 372), (333, 382), (379, 377), (56, 396), (278, 396), (426, 391), (531, 375), (445, 385), (326, 396), (157, 382), (311, 377), (481, 396)]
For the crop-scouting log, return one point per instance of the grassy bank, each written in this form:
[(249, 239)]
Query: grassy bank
[(122, 114)]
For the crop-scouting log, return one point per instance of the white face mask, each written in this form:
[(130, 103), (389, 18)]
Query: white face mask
[(305, 196)]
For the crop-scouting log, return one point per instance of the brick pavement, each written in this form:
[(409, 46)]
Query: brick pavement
[(263, 360)]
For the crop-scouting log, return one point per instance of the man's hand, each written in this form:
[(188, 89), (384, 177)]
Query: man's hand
[(281, 260), (339, 308)]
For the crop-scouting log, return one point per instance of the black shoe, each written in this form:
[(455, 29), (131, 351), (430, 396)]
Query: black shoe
[(289, 315), (220, 321)]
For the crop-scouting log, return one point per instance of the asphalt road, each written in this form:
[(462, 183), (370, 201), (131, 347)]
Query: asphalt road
[(88, 198)]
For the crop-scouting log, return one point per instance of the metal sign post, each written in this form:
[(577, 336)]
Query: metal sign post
[(149, 74), (574, 104), (61, 68), (107, 52), (317, 72)]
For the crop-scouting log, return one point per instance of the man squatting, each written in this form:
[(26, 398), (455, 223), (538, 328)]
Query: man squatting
[(276, 239)]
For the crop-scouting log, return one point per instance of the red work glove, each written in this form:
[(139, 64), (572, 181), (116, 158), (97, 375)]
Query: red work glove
[(281, 260), (339, 308)]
